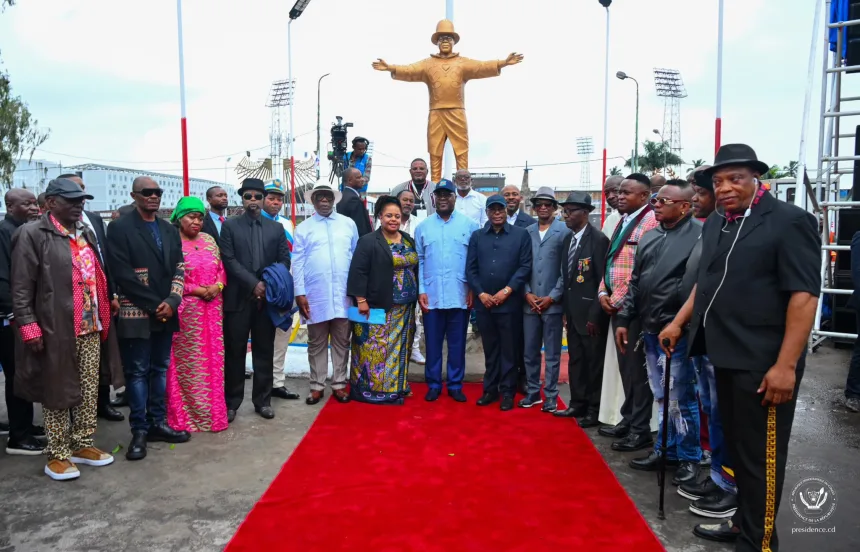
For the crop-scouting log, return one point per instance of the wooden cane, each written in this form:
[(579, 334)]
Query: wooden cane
[(661, 472)]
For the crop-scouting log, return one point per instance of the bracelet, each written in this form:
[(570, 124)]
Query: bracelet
[(115, 296), (360, 301), (220, 286)]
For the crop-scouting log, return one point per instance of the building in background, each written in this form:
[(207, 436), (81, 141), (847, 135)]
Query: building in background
[(488, 183)]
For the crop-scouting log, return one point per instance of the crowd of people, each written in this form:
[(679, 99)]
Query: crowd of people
[(710, 282)]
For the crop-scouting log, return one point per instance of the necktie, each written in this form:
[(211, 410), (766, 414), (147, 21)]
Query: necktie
[(571, 256), (222, 218)]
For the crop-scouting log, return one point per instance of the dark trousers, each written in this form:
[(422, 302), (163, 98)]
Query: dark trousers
[(253, 320), (755, 433), (145, 363), (519, 336), (20, 411), (638, 399), (441, 325), (585, 369), (852, 385), (500, 350)]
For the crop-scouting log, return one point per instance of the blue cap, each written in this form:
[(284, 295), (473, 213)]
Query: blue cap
[(275, 187), (445, 184), (496, 199)]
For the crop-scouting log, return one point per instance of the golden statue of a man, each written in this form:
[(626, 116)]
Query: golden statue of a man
[(446, 74)]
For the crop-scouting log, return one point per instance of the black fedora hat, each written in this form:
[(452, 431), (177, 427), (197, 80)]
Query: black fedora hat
[(254, 184), (736, 155), (580, 199)]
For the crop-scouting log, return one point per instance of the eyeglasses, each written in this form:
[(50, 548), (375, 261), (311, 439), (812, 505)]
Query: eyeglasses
[(663, 201), (149, 192), (446, 38), (250, 196), (543, 205)]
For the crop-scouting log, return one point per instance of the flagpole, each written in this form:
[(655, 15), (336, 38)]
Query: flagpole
[(292, 100), (183, 123), (605, 121), (718, 124)]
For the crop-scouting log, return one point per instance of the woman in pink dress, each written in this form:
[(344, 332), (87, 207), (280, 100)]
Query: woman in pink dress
[(195, 379)]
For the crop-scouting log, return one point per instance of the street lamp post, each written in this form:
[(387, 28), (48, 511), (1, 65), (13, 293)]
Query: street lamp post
[(298, 9), (226, 163), (319, 151), (605, 4), (622, 76), (665, 152)]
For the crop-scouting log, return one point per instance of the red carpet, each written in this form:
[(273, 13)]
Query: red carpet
[(443, 477)]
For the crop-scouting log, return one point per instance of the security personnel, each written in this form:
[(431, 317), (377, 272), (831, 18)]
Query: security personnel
[(752, 310)]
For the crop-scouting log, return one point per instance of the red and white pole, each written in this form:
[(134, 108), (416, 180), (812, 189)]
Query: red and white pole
[(718, 125), (605, 124), (183, 123)]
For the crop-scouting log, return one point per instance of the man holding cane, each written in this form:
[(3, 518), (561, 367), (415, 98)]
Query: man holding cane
[(751, 312)]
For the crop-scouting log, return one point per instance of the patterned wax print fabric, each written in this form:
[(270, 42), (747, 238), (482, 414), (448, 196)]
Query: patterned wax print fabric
[(195, 379), (381, 352)]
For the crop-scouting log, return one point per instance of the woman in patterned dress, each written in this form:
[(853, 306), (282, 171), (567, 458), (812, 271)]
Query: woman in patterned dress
[(195, 379), (383, 275)]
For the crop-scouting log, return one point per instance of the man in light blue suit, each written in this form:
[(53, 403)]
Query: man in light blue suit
[(542, 321)]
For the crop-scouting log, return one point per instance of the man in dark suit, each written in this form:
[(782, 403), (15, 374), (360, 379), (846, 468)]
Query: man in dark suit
[(145, 258), (751, 311), (498, 265), (582, 265), (95, 223), (351, 204), (249, 244), (217, 215)]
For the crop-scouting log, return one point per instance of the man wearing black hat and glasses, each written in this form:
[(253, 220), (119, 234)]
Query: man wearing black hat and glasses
[(249, 244), (582, 265), (146, 262), (751, 311), (62, 311)]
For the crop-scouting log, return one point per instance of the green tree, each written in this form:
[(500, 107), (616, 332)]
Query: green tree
[(19, 131), (790, 169), (656, 156), (615, 171)]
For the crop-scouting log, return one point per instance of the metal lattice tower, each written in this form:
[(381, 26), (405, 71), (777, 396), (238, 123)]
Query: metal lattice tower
[(281, 95), (670, 87), (584, 148)]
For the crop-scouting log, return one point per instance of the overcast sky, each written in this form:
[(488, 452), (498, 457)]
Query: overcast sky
[(104, 76)]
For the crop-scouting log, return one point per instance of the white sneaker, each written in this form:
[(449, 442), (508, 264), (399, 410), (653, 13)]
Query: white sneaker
[(417, 357)]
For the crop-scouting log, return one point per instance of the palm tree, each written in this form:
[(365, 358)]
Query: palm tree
[(615, 171), (790, 169), (657, 156), (773, 173)]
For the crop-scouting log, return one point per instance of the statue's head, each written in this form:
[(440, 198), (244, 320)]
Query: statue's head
[(445, 37)]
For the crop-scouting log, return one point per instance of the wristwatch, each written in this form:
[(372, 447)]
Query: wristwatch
[(506, 291)]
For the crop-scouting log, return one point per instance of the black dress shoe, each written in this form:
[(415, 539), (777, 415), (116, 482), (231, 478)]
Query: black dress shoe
[(723, 532), (28, 446), (695, 491), (507, 404), (231, 415), (284, 393), (570, 412), (487, 399), (633, 442), (109, 413), (651, 462), (265, 412), (120, 400), (589, 420), (433, 394), (457, 395), (618, 431), (137, 447), (686, 473), (164, 433), (720, 504)]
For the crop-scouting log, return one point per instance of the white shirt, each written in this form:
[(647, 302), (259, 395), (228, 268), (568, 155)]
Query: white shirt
[(474, 206), (574, 243), (542, 232), (322, 252), (513, 218), (610, 223)]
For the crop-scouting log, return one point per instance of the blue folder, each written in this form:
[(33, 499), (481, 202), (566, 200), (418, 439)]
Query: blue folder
[(376, 316)]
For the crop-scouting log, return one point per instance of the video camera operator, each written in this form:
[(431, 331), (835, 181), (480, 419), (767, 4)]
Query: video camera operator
[(359, 159)]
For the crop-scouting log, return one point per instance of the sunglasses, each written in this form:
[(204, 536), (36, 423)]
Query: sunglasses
[(149, 192), (543, 205), (250, 196), (663, 201)]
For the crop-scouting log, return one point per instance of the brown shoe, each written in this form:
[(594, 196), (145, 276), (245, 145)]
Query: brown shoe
[(62, 470), (91, 456), (314, 397), (340, 395)]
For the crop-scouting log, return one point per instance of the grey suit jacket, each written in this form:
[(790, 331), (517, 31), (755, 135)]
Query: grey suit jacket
[(546, 278), (426, 195)]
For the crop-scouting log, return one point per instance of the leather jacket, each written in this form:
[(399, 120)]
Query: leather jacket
[(656, 290)]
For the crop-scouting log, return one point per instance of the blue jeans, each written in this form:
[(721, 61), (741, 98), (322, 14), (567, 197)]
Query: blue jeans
[(145, 363), (707, 385), (683, 441), (442, 325)]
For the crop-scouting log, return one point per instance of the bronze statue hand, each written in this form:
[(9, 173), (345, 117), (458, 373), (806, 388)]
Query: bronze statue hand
[(513, 59), (380, 65)]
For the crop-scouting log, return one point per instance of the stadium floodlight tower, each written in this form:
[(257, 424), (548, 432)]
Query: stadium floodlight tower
[(281, 95), (584, 148), (670, 87)]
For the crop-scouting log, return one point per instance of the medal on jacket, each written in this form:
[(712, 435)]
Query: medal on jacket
[(580, 279)]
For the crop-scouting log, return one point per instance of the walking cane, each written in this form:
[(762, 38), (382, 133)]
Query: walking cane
[(661, 473)]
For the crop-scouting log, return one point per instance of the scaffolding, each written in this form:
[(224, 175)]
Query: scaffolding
[(584, 148), (824, 196), (670, 87)]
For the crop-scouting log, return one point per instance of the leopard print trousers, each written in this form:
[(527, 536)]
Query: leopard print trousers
[(72, 429)]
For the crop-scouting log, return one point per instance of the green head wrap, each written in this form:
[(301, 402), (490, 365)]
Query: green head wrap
[(188, 204)]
